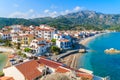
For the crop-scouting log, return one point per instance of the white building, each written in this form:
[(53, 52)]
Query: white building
[(5, 35), (45, 32), (39, 45), (24, 71), (13, 72), (63, 43), (58, 36), (15, 28), (16, 39)]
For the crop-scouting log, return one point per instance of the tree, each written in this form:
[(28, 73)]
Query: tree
[(27, 49), (18, 45), (55, 49), (20, 53), (53, 40), (7, 43), (24, 55), (1, 41)]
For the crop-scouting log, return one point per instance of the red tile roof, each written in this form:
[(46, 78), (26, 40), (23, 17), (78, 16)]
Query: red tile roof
[(6, 32), (29, 69), (85, 75), (44, 29), (6, 78), (41, 44), (64, 40), (40, 39), (61, 69), (48, 41), (11, 56), (28, 35), (49, 63), (25, 29), (17, 36)]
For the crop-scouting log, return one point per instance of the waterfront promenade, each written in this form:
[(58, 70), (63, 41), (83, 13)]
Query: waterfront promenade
[(58, 57)]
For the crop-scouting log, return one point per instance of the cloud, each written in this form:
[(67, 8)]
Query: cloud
[(50, 13), (46, 11), (28, 14), (77, 8), (31, 13), (65, 12), (53, 14), (18, 15)]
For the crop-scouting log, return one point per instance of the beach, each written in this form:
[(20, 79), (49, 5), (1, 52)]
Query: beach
[(86, 40), (73, 59)]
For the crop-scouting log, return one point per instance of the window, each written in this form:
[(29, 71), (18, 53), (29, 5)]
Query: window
[(25, 42), (25, 38), (48, 35), (18, 39), (61, 43)]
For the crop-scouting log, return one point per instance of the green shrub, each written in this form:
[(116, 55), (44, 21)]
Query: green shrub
[(27, 49), (1, 74), (53, 40)]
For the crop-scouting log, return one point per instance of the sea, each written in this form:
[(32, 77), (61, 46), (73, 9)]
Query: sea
[(98, 61)]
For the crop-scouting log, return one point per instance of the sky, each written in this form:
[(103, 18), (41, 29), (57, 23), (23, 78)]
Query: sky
[(53, 8)]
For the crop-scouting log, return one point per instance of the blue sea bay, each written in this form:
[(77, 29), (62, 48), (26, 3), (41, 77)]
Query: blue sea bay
[(100, 63)]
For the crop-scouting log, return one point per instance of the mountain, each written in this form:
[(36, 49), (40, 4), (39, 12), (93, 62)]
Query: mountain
[(78, 20)]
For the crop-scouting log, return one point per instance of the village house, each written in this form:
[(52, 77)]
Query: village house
[(24, 40), (24, 71), (5, 35), (63, 43), (63, 40), (58, 36), (45, 32), (40, 45), (15, 28), (16, 39), (35, 69), (26, 30), (55, 67), (6, 28)]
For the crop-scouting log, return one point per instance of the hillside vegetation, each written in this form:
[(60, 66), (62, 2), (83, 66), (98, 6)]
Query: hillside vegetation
[(75, 21)]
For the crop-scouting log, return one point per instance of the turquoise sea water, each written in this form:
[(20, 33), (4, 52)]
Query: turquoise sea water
[(3, 59), (100, 63)]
